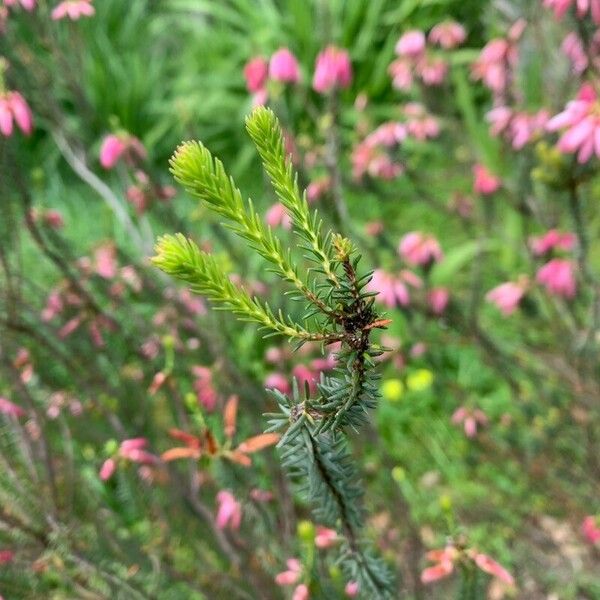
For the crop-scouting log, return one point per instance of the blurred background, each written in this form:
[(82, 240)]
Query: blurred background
[(455, 141)]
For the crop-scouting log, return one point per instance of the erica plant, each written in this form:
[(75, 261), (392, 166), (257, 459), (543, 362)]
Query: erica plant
[(338, 309)]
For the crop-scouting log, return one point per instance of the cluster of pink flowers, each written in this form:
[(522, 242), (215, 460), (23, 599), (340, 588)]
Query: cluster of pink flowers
[(551, 240), (73, 9), (121, 146), (519, 128), (333, 70), (497, 60), (581, 124), (372, 155), (414, 59), (131, 450), (560, 7), (447, 558), (14, 108), (392, 290), (470, 419), (305, 373), (591, 529), (229, 512)]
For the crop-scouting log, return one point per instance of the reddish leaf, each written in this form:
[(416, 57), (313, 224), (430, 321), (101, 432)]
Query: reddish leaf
[(258, 442), (187, 438), (177, 453), (239, 457), (230, 416), (211, 444)]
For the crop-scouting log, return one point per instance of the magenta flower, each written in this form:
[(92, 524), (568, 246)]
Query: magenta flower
[(283, 67), (28, 5), (73, 9), (6, 556), (448, 34), (470, 420), (13, 107), (507, 296), (392, 291), (256, 71), (10, 409), (229, 513), (204, 388), (581, 119), (419, 249), (411, 44), (550, 240), (558, 277), (292, 575), (332, 70), (438, 298), (591, 529), (560, 7), (484, 181)]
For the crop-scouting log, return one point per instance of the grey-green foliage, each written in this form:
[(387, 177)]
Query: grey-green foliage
[(314, 445)]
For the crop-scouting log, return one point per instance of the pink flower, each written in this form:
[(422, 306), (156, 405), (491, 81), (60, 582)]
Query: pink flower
[(116, 146), (418, 249), (317, 188), (438, 298), (411, 43), (204, 388), (388, 134), (28, 5), (229, 513), (134, 450), (305, 375), (432, 70), (292, 575), (572, 48), (278, 381), (401, 72), (332, 70), (10, 409), (581, 119), (74, 9), (352, 588), (301, 592), (560, 7), (14, 107), (490, 566), (448, 34), (6, 556), (283, 67), (550, 240), (507, 296), (256, 71), (470, 419), (105, 261), (484, 182), (558, 277), (492, 66), (325, 537), (108, 468), (391, 290), (591, 529), (112, 148), (278, 216)]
